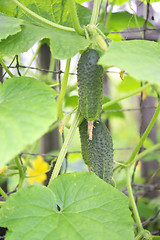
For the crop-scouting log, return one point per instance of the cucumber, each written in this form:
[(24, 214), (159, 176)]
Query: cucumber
[(90, 84), (83, 131), (98, 153)]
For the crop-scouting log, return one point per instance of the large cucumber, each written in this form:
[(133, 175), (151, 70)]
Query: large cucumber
[(90, 84), (98, 153)]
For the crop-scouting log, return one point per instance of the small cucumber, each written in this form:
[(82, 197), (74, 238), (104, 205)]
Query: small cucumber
[(90, 84), (98, 153), (83, 131)]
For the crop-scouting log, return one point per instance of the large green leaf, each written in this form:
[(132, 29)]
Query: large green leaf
[(140, 58), (64, 44), (88, 208), (123, 20), (27, 109), (54, 10), (9, 26)]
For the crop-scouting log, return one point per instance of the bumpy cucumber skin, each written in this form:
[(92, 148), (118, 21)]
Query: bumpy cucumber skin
[(98, 153), (101, 152), (83, 131), (90, 84)]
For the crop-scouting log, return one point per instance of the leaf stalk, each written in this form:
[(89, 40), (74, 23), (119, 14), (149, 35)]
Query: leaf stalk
[(6, 68), (74, 17), (66, 143), (44, 20), (108, 104), (3, 194), (132, 201), (63, 90)]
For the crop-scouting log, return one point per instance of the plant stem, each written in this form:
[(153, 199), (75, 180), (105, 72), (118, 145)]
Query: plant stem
[(6, 69), (34, 56), (139, 236), (44, 20), (144, 136), (132, 201), (66, 143), (3, 194), (145, 152), (74, 17), (108, 104), (109, 14), (95, 12), (21, 172), (63, 89)]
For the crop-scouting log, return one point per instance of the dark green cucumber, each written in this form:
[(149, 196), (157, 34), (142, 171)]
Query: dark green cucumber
[(90, 84), (98, 153), (83, 131)]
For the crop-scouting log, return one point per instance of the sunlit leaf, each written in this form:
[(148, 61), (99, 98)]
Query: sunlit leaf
[(9, 26), (64, 44), (76, 206), (27, 109), (140, 58)]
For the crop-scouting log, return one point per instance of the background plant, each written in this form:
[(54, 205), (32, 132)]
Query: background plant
[(84, 206)]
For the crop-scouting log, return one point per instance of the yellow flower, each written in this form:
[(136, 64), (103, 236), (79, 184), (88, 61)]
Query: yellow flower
[(3, 169), (39, 166)]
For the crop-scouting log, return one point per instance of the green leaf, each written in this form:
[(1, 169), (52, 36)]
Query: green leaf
[(140, 58), (8, 7), (113, 110), (9, 26), (71, 101), (124, 20), (27, 109), (82, 1), (64, 44), (89, 209), (73, 157), (55, 11), (118, 2), (128, 84)]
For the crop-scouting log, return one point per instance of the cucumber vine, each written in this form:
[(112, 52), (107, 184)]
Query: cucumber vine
[(96, 37)]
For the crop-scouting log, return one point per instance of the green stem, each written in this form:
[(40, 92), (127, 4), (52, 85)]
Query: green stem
[(52, 67), (144, 136), (139, 156), (108, 104), (135, 17), (132, 201), (63, 89), (21, 172), (5, 68), (44, 20), (139, 236), (34, 56), (74, 17), (95, 12), (66, 143), (145, 152), (109, 15), (3, 194)]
